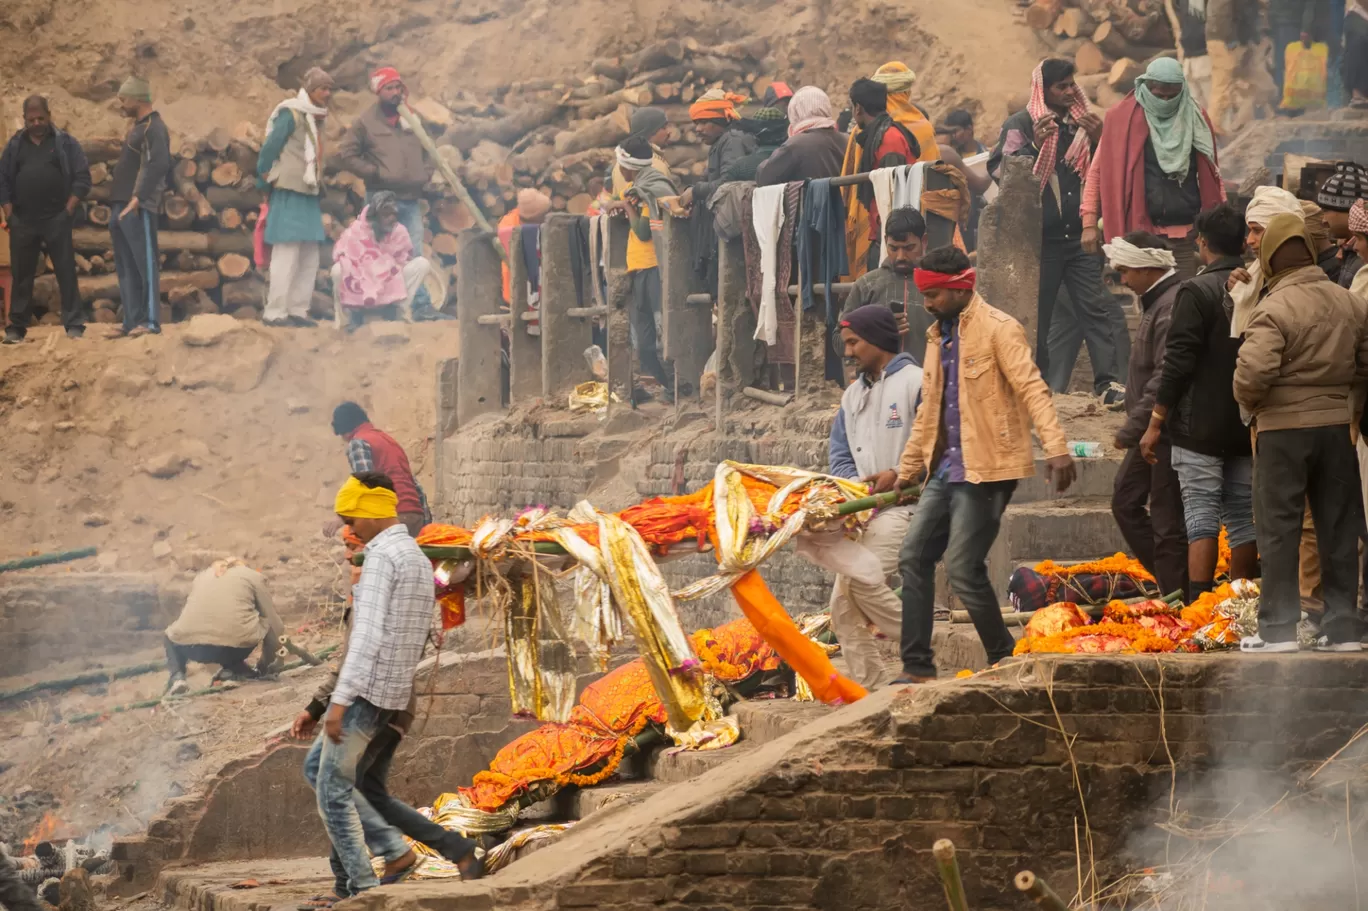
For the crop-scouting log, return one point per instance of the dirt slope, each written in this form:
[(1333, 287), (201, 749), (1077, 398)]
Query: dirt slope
[(213, 438), (215, 63)]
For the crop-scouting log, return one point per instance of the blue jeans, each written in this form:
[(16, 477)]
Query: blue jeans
[(959, 521), (1216, 492), (138, 264), (332, 770), (411, 217)]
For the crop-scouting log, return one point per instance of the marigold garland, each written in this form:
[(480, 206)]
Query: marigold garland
[(1117, 564)]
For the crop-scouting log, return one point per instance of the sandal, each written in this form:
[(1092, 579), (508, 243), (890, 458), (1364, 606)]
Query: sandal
[(399, 877)]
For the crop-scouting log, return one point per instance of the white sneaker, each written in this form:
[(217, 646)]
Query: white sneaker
[(1323, 644), (1256, 644)]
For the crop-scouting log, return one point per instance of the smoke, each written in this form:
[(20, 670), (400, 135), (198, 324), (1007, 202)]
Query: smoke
[(1276, 817)]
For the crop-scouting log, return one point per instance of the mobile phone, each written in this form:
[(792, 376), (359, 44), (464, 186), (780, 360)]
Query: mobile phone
[(897, 307)]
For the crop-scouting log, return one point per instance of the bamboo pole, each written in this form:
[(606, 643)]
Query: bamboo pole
[(60, 556), (944, 852), (1039, 891), (66, 683), (452, 180), (850, 507)]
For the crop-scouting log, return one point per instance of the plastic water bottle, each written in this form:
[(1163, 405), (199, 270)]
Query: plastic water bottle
[(1081, 450)]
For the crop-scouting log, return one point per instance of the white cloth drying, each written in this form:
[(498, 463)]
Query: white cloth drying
[(768, 218)]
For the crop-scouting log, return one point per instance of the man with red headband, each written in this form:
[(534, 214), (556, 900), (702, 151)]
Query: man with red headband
[(382, 150), (970, 445)]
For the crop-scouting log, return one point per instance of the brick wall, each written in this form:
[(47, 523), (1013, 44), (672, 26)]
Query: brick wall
[(842, 813), (497, 467), (47, 618)]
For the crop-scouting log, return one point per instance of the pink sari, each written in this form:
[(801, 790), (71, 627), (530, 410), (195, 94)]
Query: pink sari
[(372, 271)]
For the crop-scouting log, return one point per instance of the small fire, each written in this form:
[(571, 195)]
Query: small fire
[(46, 828)]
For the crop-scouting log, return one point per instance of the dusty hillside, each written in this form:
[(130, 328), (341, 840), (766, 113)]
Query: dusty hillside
[(164, 450), (214, 62)]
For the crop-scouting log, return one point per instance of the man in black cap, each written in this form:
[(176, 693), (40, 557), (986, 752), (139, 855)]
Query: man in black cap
[(1336, 197), (867, 439)]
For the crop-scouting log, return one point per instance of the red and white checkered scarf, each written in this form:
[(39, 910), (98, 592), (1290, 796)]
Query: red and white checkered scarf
[(1079, 155)]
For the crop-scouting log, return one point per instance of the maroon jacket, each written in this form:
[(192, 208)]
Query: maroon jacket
[(386, 457)]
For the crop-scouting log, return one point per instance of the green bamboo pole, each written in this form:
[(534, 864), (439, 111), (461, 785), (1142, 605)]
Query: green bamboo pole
[(1039, 891), (60, 556), (875, 501), (66, 683), (944, 852)]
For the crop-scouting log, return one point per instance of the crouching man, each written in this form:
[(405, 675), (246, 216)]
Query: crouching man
[(867, 438), (227, 614)]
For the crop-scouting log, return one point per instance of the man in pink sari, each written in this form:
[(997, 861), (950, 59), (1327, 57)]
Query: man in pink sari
[(374, 265)]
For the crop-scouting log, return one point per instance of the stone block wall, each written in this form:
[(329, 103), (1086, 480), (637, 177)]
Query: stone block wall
[(842, 813), (47, 618)]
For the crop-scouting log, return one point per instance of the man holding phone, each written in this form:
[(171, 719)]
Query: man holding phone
[(891, 284)]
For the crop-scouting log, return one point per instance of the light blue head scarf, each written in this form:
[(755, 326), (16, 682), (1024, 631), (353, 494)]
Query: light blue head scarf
[(1176, 125)]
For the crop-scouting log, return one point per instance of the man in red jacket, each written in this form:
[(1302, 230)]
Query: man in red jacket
[(371, 449)]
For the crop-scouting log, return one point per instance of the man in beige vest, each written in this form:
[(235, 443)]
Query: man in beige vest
[(291, 162)]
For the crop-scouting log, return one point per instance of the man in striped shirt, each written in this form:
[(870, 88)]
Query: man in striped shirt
[(392, 613)]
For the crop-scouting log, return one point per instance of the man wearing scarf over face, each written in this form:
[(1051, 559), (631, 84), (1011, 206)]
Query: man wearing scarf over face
[(1059, 132), (291, 162), (1155, 167), (1302, 363), (970, 445)]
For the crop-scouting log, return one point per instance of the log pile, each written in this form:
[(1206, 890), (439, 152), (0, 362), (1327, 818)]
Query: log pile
[(1110, 41), (552, 135)]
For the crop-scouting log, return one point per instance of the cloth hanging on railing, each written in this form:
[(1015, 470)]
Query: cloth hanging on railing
[(582, 261), (531, 254), (767, 220), (821, 243), (598, 225), (785, 347)]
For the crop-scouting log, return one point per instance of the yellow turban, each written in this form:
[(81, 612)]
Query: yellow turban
[(357, 501)]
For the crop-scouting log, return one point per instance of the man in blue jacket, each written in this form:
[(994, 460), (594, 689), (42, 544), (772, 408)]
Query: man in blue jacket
[(43, 178), (867, 439)]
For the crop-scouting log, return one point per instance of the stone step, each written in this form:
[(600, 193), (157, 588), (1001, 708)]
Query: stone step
[(1094, 481), (1076, 530)]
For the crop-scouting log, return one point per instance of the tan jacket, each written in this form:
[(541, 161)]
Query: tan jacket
[(1001, 396), (234, 610), (386, 157), (1304, 350)]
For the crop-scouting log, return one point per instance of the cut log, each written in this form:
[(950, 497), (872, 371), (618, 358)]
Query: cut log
[(183, 180), (1042, 14), (98, 266), (179, 214), (183, 261), (678, 156), (246, 314), (188, 150), (94, 287), (233, 266), (435, 116), (1108, 37), (610, 67), (759, 85), (1090, 83), (249, 292), (712, 68), (226, 174), (232, 197), (95, 240), (667, 92), (102, 150), (1123, 73), (229, 219), (244, 156), (246, 131), (604, 132), (688, 93), (444, 244), (750, 48), (1089, 60), (535, 159), (452, 216), (579, 203), (217, 140), (676, 72), (82, 265), (654, 56), (505, 130), (196, 302), (99, 173), (98, 215), (1072, 23)]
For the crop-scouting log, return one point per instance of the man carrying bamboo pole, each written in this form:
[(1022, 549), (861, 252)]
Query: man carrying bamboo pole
[(970, 445)]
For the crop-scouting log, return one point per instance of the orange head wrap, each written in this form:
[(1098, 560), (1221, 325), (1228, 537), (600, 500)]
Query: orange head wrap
[(716, 105)]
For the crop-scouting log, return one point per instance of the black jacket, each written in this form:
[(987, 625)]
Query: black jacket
[(75, 167), (1199, 368), (1061, 216)]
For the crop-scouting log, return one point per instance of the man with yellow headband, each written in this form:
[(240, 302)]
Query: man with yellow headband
[(392, 614)]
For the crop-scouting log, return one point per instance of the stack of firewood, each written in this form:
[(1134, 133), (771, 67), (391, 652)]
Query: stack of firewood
[(551, 135), (1110, 41)]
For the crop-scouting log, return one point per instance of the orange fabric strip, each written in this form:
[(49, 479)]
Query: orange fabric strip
[(777, 628)]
